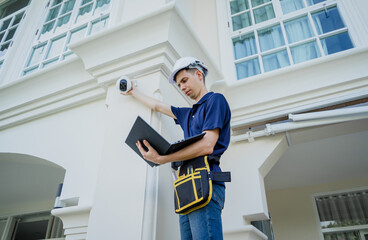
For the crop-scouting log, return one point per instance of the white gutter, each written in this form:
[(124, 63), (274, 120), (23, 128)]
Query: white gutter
[(305, 121), (303, 108), (330, 113)]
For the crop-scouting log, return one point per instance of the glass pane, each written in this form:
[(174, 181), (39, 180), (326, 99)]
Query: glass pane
[(101, 6), (238, 6), (275, 61), (53, 13), (4, 49), (305, 52), (10, 34), (36, 55), (270, 38), (1, 36), (83, 11), (291, 5), (76, 35), (86, 1), (264, 13), (17, 19), (63, 20), (248, 68), (259, 2), (55, 48), (241, 21), (311, 2), (48, 27), (336, 43), (298, 29), (56, 2), (244, 46), (98, 26), (328, 21), (5, 24), (68, 6), (12, 7)]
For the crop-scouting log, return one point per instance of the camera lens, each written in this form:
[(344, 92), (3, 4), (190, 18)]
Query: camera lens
[(123, 85)]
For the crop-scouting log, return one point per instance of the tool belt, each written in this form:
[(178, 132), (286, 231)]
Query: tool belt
[(193, 188)]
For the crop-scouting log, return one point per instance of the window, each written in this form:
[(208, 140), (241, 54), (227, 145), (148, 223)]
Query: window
[(11, 14), (246, 13), (269, 35), (265, 226), (66, 22), (343, 216), (40, 225)]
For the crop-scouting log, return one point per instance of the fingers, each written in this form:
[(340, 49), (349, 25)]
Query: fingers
[(140, 147), (146, 143), (151, 154)]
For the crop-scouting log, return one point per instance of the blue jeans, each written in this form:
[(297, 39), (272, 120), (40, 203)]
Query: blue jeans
[(204, 223)]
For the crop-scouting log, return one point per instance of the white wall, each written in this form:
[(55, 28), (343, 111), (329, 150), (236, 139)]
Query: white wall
[(71, 139), (293, 213), (248, 163)]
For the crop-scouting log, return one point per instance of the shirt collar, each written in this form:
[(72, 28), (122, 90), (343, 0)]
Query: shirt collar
[(204, 98)]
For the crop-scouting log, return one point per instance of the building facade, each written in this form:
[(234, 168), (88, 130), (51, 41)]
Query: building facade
[(293, 71)]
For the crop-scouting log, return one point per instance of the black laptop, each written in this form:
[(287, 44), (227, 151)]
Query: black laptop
[(143, 131)]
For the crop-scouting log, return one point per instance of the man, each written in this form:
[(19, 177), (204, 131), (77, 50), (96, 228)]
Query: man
[(210, 114)]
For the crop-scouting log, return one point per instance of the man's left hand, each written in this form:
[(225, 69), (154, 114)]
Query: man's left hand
[(150, 155)]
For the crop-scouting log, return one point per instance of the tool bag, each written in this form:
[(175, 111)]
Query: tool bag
[(193, 188)]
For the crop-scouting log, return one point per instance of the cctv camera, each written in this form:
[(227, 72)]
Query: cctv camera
[(124, 84)]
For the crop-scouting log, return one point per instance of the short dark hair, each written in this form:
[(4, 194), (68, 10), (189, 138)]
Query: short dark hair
[(191, 71)]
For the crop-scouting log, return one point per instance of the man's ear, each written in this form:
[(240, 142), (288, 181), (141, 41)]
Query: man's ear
[(199, 74)]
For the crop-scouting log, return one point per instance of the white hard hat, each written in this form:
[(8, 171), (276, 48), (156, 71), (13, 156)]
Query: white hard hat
[(187, 62)]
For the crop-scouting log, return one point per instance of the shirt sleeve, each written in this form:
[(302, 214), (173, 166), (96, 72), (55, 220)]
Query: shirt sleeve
[(217, 113), (181, 115), (175, 111)]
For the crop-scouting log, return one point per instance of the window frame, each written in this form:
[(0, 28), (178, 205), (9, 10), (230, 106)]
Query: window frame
[(363, 229), (6, 31), (281, 19), (64, 31)]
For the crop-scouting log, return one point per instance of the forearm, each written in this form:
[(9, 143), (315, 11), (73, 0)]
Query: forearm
[(200, 148), (152, 103), (203, 147), (145, 99)]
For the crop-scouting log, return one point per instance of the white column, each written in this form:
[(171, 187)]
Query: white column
[(149, 223)]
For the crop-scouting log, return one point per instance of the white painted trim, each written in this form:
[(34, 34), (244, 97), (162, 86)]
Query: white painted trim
[(75, 220), (39, 73), (45, 106)]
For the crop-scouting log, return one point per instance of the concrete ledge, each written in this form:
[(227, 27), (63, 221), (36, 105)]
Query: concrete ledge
[(75, 221), (248, 232)]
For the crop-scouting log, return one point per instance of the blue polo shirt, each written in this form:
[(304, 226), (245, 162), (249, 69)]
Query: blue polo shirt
[(209, 113)]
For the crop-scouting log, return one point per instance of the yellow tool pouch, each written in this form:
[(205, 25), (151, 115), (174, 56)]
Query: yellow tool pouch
[(193, 188)]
